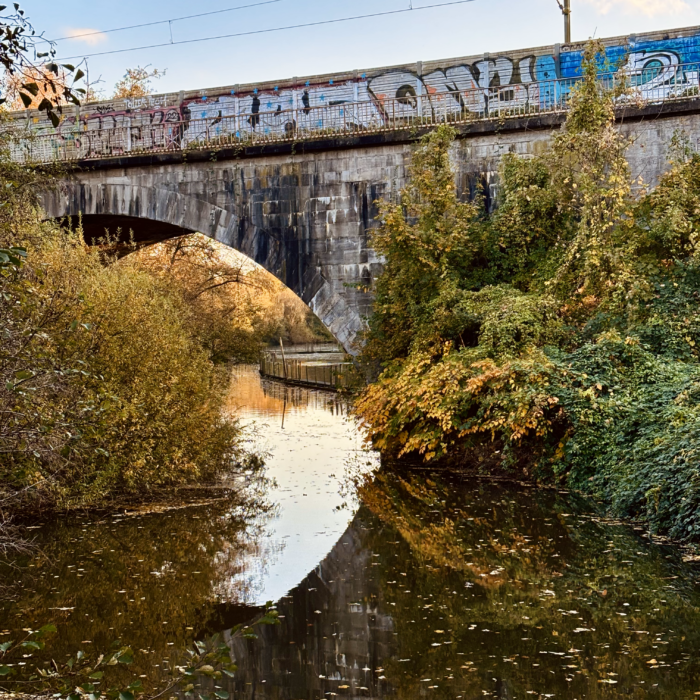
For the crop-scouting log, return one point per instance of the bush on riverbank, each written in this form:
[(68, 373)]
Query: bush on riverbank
[(558, 336), (105, 385)]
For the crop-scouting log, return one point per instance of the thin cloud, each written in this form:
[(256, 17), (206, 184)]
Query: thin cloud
[(92, 37), (651, 8)]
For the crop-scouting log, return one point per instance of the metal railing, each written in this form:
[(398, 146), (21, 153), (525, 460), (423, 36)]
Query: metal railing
[(331, 374), (136, 133)]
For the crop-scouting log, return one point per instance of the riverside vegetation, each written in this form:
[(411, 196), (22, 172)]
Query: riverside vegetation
[(557, 337), (107, 385)]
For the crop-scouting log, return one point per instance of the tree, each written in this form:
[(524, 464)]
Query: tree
[(43, 79), (46, 86), (137, 82)]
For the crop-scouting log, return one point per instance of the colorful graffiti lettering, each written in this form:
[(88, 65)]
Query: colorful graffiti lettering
[(655, 68)]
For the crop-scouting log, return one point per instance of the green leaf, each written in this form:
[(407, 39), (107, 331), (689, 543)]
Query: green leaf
[(96, 676), (26, 99), (136, 685), (126, 659), (126, 695), (221, 694), (31, 645), (5, 670), (31, 88), (48, 629), (4, 647), (55, 119), (79, 75)]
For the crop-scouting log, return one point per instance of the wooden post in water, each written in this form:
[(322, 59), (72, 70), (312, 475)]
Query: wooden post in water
[(284, 359)]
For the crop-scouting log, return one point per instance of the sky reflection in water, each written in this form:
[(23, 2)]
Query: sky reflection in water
[(436, 588), (309, 441)]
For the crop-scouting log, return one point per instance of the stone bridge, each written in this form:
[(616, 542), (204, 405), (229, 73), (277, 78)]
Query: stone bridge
[(289, 174)]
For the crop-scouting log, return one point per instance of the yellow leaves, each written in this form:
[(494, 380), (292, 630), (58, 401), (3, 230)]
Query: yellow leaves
[(423, 407)]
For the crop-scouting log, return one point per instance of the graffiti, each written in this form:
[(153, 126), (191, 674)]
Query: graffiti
[(459, 89), (656, 69), (148, 102), (659, 74)]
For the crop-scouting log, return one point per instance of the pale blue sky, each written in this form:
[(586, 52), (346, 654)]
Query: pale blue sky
[(473, 28)]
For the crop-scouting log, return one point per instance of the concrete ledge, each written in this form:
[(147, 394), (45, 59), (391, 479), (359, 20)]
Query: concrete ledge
[(628, 114)]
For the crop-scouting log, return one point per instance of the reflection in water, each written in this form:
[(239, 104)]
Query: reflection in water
[(467, 590), (160, 580), (437, 588), (254, 396), (307, 457)]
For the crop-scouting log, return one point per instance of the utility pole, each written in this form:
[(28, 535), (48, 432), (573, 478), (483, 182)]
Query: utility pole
[(566, 11)]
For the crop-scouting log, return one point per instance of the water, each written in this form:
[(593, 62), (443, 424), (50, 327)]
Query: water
[(427, 587)]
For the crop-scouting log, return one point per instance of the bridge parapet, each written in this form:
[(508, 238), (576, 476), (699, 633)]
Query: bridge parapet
[(659, 67), (659, 85)]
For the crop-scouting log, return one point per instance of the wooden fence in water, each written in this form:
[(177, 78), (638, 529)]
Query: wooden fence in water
[(314, 373)]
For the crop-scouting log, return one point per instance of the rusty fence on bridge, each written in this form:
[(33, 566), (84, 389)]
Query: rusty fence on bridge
[(656, 85)]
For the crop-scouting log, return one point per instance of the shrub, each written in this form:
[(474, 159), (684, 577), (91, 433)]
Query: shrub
[(105, 385)]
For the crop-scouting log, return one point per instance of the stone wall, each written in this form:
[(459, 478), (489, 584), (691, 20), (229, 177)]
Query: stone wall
[(660, 65)]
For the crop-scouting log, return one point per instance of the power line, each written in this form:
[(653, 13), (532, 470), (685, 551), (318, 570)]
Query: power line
[(163, 21), (267, 31)]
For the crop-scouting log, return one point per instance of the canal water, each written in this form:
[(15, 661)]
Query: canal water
[(416, 585)]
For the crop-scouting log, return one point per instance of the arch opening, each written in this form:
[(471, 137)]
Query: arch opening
[(213, 267), (145, 231), (321, 257)]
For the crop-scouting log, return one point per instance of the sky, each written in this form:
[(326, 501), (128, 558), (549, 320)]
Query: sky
[(470, 28)]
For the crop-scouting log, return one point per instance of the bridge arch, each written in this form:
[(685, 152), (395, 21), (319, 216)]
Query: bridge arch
[(157, 213)]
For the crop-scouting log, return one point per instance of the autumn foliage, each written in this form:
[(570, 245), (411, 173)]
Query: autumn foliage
[(556, 336)]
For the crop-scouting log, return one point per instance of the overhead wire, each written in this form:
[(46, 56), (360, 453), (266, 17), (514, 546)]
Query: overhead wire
[(268, 31), (162, 21)]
